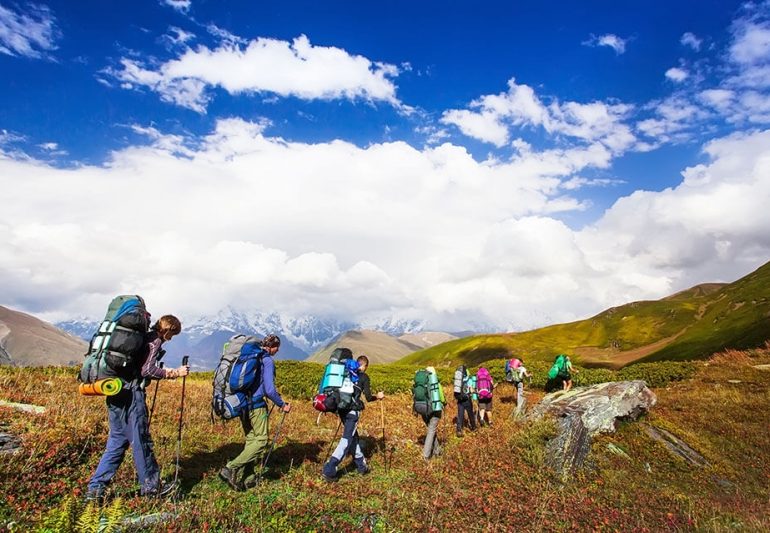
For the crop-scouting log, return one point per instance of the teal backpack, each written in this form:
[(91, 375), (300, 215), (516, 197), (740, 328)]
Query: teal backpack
[(559, 367)]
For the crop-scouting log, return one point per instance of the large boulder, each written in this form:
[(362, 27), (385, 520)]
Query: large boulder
[(587, 411)]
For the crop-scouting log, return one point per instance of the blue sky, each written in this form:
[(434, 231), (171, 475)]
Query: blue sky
[(500, 149)]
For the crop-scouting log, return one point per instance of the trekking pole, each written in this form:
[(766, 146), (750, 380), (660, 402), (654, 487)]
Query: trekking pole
[(272, 446), (154, 396), (331, 443), (181, 414)]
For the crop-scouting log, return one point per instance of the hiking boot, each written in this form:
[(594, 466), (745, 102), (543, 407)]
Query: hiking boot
[(95, 495), (459, 433), (365, 470), (228, 477), (164, 490)]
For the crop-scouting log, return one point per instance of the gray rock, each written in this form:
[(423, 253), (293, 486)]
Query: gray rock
[(676, 446), (24, 407), (9, 443), (587, 411)]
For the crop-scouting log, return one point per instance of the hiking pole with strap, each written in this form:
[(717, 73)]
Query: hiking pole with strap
[(154, 396), (272, 446), (382, 422), (181, 414)]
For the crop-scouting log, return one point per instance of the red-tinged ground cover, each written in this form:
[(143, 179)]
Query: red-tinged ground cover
[(490, 480)]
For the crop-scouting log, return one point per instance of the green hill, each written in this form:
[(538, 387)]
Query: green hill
[(691, 324)]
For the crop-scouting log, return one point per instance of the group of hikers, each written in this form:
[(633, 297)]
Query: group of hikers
[(125, 357)]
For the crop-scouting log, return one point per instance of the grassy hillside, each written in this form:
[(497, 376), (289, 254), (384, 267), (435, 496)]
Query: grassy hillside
[(691, 324), (721, 412), (378, 346), (29, 341)]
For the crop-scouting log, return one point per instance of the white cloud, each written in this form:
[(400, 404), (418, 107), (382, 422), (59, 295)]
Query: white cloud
[(677, 74), (177, 36), (284, 68), (183, 6), (691, 40), (610, 40), (491, 117), (240, 218), (752, 42), (32, 34)]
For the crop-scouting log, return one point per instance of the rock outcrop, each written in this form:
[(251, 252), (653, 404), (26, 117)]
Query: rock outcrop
[(587, 411)]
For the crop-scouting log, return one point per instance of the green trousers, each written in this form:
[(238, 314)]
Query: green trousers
[(257, 437)]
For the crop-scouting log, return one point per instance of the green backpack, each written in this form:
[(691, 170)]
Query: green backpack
[(559, 367), (421, 392)]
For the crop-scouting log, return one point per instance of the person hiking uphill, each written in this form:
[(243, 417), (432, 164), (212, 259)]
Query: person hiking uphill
[(429, 403), (462, 393), (560, 374), (484, 387), (127, 417), (515, 372), (240, 473), (349, 443)]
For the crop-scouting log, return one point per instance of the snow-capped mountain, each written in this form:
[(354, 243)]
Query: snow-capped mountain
[(202, 338)]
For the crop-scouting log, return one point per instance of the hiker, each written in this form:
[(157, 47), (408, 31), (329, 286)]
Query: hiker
[(560, 374), (349, 444), (127, 419), (484, 387), (429, 403), (240, 473), (474, 398), (515, 372), (462, 393)]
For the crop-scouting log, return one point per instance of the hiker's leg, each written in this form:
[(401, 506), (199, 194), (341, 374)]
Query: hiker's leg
[(147, 471), (435, 421), (519, 398), (117, 442), (255, 446), (430, 436), (471, 415), (461, 407), (349, 432)]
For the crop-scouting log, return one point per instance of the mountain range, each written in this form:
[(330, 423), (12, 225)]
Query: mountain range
[(691, 324), (381, 347)]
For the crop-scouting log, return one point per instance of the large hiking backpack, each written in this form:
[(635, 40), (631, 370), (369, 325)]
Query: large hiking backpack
[(426, 393), (513, 370), (337, 389), (559, 368), (484, 384), (237, 376), (461, 383), (117, 346)]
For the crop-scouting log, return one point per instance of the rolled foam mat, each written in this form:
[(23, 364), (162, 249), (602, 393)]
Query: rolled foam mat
[(102, 387)]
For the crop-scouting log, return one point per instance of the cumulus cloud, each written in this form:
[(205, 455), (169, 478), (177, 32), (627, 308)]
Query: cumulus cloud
[(691, 40), (183, 6), (244, 219), (283, 68), (677, 74), (491, 118), (608, 39), (30, 34)]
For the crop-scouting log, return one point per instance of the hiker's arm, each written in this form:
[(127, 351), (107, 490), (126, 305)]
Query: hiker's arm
[(150, 368), (268, 373), (366, 389)]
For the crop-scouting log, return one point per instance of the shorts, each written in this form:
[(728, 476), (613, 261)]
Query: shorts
[(485, 404)]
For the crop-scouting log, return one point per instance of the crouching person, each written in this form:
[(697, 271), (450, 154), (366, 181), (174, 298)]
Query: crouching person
[(243, 471)]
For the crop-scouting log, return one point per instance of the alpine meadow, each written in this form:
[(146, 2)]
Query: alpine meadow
[(388, 267)]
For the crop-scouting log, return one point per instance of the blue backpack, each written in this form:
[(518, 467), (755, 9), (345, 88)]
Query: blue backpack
[(237, 376)]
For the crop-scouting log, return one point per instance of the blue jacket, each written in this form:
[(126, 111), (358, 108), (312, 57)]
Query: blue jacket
[(266, 389)]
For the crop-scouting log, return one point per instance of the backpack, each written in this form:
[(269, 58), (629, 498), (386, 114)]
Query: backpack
[(237, 376), (461, 383), (513, 371), (559, 367), (117, 346), (421, 392), (484, 384), (337, 392)]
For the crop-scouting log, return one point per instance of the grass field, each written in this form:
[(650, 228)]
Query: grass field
[(491, 480)]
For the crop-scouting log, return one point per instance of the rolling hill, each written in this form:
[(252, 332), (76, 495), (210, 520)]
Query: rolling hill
[(691, 324), (28, 341), (379, 346)]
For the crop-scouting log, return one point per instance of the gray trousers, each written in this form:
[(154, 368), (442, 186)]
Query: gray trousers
[(432, 446), (521, 400)]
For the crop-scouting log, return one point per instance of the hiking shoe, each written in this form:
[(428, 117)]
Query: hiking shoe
[(95, 495), (459, 434), (227, 476), (164, 490), (364, 471), (328, 478)]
